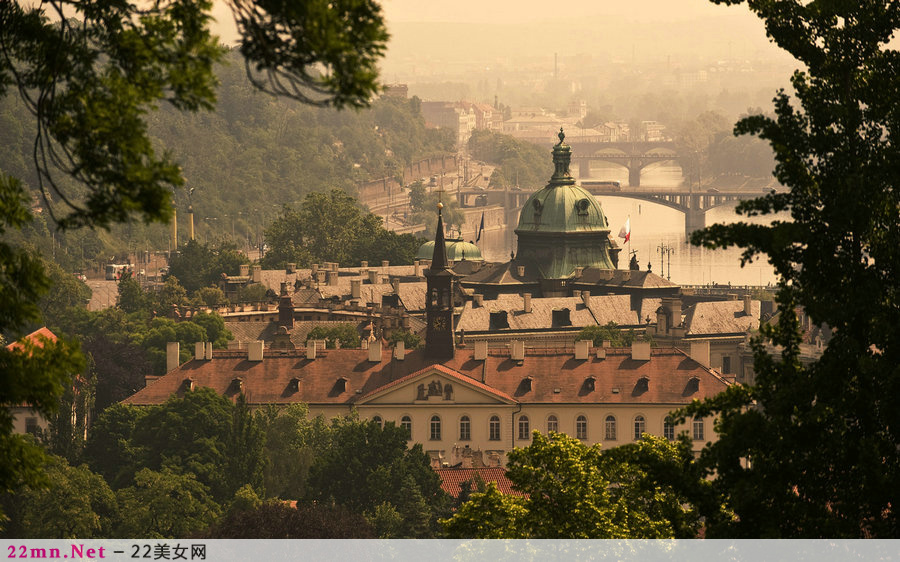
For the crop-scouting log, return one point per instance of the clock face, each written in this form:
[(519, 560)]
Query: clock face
[(439, 324)]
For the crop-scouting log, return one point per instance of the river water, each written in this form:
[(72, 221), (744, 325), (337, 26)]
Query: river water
[(654, 227)]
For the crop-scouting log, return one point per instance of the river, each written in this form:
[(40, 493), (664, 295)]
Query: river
[(655, 226)]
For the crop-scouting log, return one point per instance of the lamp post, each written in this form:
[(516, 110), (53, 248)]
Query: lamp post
[(665, 255)]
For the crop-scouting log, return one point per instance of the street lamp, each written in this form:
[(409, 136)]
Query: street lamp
[(665, 255)]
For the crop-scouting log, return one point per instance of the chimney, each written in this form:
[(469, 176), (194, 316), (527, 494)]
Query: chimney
[(320, 277), (601, 353), (586, 298), (640, 351), (579, 271), (517, 352), (526, 303), (332, 277), (256, 273), (748, 305), (255, 351), (582, 349), (375, 351), (400, 351), (291, 268), (418, 268), (355, 288), (395, 284), (363, 264), (373, 277), (385, 263), (245, 270), (477, 301), (199, 350), (520, 270), (208, 351), (172, 356), (481, 350), (334, 266), (314, 268), (311, 349), (700, 352)]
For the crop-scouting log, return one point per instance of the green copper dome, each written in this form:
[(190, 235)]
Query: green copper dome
[(562, 206), (562, 226), (457, 250)]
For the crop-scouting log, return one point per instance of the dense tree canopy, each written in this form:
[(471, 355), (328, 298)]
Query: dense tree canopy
[(571, 490), (333, 227), (821, 439), (520, 163)]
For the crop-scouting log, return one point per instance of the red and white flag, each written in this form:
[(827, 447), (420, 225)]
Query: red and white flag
[(625, 232)]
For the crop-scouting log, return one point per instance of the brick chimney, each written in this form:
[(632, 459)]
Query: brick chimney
[(172, 356), (355, 288), (526, 303)]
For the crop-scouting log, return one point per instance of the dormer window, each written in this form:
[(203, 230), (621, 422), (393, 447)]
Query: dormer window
[(590, 384), (582, 206), (538, 210), (294, 385), (499, 320), (642, 385), (561, 317)]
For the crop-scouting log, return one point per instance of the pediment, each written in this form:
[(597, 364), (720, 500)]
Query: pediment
[(436, 385)]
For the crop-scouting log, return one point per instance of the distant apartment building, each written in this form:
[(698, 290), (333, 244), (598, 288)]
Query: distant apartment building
[(459, 117), (396, 91)]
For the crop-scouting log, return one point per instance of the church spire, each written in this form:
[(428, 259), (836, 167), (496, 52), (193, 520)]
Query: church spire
[(439, 258)]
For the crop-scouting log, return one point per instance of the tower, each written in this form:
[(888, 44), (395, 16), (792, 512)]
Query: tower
[(439, 340)]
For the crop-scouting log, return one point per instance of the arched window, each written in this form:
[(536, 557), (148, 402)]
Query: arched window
[(465, 428), (640, 426), (406, 423), (698, 429), (552, 424), (435, 434), (494, 428), (524, 428), (378, 420), (581, 427), (610, 428), (669, 428)]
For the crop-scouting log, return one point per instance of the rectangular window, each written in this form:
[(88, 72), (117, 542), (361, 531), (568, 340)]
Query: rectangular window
[(494, 430), (524, 429), (435, 428), (465, 429), (31, 425), (698, 429), (726, 365)]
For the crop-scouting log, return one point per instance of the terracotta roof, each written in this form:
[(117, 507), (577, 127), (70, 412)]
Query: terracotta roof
[(478, 319), (35, 337), (245, 332), (285, 377), (452, 479), (625, 278), (441, 369), (721, 317)]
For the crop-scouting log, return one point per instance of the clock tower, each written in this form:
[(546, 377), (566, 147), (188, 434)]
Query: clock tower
[(439, 338)]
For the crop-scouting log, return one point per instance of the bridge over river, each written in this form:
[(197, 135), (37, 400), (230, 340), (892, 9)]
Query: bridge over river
[(693, 203)]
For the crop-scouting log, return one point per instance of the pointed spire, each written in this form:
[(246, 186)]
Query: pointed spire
[(439, 258)]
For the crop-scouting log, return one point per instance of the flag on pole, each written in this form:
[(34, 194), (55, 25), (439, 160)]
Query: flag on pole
[(625, 232), (480, 228)]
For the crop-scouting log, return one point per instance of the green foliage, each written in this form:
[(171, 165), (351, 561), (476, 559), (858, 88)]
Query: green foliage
[(215, 328), (210, 296), (824, 457), (276, 520), (77, 504), (199, 265), (424, 208), (68, 292), (576, 491), (521, 163), (164, 504), (609, 333), (346, 334), (409, 339), (253, 292), (109, 450), (365, 466), (291, 443), (333, 227)]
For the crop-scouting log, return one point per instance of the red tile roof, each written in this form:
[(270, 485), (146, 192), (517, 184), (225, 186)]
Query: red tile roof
[(452, 479), (285, 377), (35, 338)]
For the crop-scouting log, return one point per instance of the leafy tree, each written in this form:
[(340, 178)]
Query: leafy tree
[(199, 265), (409, 339), (333, 227), (609, 333), (277, 520), (254, 292), (210, 296), (424, 210), (345, 334), (521, 163), (365, 466), (576, 491), (820, 438), (164, 504), (68, 292), (131, 296), (292, 441), (109, 450), (88, 83), (215, 328), (77, 504)]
